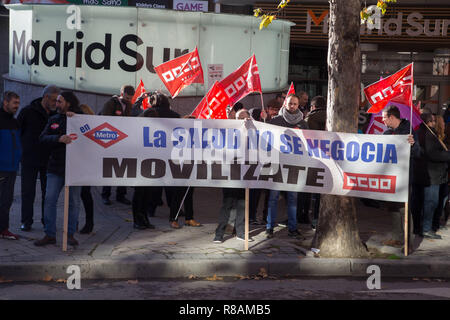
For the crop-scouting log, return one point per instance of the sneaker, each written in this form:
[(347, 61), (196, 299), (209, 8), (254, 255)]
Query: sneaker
[(283, 224), (6, 234), (243, 239), (72, 241), (218, 239), (269, 233), (293, 233), (45, 241), (431, 235)]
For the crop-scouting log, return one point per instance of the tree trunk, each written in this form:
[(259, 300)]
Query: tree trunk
[(337, 232)]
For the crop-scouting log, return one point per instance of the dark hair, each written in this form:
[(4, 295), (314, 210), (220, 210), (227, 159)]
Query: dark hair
[(237, 106), (319, 102), (294, 95), (392, 111), (149, 113), (159, 100), (74, 103), (127, 89), (301, 93), (426, 117), (8, 95), (274, 103), (255, 113)]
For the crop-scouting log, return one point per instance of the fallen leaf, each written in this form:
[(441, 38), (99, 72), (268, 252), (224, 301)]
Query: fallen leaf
[(269, 254), (214, 278), (172, 243), (262, 273), (132, 281), (61, 280), (191, 276), (128, 220), (47, 278), (415, 279)]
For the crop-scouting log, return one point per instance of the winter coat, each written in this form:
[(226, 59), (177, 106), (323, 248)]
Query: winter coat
[(432, 165), (32, 120), (113, 107), (316, 119), (280, 121), (10, 145)]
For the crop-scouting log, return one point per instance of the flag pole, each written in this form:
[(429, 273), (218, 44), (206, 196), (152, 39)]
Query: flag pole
[(247, 209), (406, 223), (262, 104), (66, 217)]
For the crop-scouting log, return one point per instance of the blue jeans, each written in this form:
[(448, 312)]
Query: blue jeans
[(55, 184), (291, 209), (430, 203)]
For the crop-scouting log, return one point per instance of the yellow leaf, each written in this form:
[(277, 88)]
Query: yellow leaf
[(283, 4), (266, 20), (214, 278), (61, 280), (172, 243), (262, 273), (257, 12)]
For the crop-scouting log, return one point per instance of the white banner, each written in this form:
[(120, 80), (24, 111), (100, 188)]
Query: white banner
[(124, 151)]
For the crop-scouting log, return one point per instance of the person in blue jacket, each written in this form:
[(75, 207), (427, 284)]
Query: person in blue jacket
[(10, 154)]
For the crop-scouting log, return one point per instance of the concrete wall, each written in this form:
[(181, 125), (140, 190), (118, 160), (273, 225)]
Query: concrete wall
[(183, 105)]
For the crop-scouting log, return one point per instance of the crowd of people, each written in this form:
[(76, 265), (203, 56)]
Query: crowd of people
[(37, 139)]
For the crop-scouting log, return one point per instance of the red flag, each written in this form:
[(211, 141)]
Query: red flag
[(397, 88), (213, 105), (291, 90), (243, 81), (139, 90), (180, 72)]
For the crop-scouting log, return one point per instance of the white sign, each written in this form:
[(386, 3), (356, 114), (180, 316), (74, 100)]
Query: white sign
[(187, 5), (140, 151), (215, 73), (43, 50)]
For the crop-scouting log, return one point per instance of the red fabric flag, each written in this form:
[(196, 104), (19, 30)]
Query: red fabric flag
[(243, 81), (180, 72), (397, 88), (291, 90), (213, 105), (139, 90)]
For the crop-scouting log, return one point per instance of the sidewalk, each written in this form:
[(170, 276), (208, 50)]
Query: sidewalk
[(114, 250)]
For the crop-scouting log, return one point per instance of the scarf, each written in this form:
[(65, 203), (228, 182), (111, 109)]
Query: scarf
[(291, 118)]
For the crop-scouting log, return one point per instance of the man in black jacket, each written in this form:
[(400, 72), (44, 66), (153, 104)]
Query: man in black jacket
[(32, 120), (396, 125), (10, 152)]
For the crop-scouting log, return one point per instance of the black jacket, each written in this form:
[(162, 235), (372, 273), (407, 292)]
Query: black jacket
[(430, 168), (32, 120), (55, 128), (280, 121), (10, 148)]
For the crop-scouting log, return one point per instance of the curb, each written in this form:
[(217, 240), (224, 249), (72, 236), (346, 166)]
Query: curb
[(185, 268)]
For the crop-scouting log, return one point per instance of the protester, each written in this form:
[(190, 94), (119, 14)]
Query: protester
[(86, 195), (142, 194), (430, 171), (316, 120), (291, 117), (398, 126), (55, 137), (231, 111), (118, 106), (233, 198), (10, 154), (32, 120), (303, 102), (443, 188)]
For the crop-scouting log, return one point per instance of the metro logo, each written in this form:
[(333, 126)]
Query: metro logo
[(369, 182), (105, 135)]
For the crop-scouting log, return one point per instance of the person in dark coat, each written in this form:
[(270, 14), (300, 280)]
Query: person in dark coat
[(430, 171), (55, 137), (398, 126), (118, 106), (290, 117), (32, 120), (10, 154)]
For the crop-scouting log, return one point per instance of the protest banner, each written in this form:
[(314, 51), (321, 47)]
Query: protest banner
[(233, 153)]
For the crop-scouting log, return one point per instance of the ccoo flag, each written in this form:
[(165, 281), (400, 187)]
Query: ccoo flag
[(180, 72), (396, 88), (213, 105)]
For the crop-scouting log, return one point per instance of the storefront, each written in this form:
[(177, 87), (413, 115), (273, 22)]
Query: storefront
[(407, 33)]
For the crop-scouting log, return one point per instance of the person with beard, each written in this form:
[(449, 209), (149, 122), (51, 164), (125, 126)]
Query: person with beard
[(55, 137), (32, 120)]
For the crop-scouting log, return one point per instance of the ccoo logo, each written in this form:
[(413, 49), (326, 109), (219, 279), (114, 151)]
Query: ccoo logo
[(105, 135)]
